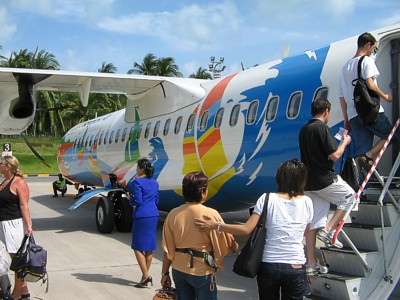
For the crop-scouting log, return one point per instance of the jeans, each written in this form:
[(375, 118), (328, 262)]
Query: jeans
[(190, 287), (274, 279)]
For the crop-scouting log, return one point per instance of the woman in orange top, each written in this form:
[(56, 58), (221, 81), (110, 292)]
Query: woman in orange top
[(194, 255)]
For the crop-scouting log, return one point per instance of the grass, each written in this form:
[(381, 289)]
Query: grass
[(29, 163)]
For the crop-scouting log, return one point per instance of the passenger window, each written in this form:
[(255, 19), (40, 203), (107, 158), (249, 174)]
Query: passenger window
[(294, 105), (190, 123), (124, 134), (86, 142), (272, 109), (91, 141), (156, 128), (178, 125), (117, 135), (101, 137), (204, 120), (252, 112), (218, 117), (139, 132), (234, 115), (321, 93), (111, 137), (166, 126), (147, 131)]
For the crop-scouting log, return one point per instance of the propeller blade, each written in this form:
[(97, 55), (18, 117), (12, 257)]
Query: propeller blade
[(34, 151)]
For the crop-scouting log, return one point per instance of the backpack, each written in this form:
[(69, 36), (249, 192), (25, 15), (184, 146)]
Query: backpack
[(366, 101), (30, 261)]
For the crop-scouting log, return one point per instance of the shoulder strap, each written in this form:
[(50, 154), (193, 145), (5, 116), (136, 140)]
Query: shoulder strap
[(359, 67), (265, 209)]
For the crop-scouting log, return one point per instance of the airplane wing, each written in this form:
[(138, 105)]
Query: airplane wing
[(90, 194), (18, 87)]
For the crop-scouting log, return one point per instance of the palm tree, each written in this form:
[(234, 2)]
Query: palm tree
[(151, 65), (147, 67), (166, 67), (201, 73), (107, 68)]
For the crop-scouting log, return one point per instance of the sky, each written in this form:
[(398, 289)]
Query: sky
[(82, 34)]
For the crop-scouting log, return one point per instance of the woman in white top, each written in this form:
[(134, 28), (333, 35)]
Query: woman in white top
[(282, 273)]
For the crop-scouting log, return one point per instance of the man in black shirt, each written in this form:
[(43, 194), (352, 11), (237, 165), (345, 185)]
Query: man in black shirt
[(319, 151)]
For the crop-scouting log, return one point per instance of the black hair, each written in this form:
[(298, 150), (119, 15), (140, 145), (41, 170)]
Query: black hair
[(318, 106), (193, 185), (364, 39), (146, 166), (291, 177)]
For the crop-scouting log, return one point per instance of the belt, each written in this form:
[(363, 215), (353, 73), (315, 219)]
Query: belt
[(206, 256)]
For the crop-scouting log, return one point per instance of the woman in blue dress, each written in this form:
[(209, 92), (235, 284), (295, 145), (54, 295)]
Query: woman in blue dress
[(145, 218)]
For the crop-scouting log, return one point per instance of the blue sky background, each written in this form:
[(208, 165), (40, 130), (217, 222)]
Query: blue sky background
[(83, 34)]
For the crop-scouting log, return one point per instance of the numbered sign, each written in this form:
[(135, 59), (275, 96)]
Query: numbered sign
[(7, 150)]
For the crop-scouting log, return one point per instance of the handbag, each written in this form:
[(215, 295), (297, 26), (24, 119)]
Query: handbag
[(248, 261), (366, 101), (166, 294), (350, 173), (29, 263), (21, 259)]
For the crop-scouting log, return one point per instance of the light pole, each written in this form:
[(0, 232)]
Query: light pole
[(216, 67)]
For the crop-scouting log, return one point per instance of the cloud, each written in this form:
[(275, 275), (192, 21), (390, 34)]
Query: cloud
[(8, 28), (189, 27)]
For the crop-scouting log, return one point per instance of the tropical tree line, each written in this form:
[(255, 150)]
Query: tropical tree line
[(58, 112)]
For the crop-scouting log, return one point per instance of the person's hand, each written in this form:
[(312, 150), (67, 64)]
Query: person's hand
[(346, 139), (165, 281), (235, 247), (206, 223), (347, 125), (388, 97)]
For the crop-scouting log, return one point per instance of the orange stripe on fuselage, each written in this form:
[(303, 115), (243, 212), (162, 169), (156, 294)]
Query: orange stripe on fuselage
[(206, 143), (216, 93)]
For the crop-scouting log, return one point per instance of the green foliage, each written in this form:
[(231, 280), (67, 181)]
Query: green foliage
[(29, 163)]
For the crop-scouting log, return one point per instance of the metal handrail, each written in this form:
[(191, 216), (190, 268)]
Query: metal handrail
[(357, 197)]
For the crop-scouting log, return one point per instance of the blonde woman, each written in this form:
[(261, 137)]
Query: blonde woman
[(14, 213)]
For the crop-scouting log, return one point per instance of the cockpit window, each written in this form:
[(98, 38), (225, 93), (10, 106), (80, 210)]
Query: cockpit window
[(111, 137), (117, 135), (294, 105)]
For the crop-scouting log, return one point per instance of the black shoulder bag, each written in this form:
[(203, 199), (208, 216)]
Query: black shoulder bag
[(248, 261), (350, 172), (366, 101)]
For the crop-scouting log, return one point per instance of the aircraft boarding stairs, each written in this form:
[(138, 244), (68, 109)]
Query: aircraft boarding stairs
[(368, 266)]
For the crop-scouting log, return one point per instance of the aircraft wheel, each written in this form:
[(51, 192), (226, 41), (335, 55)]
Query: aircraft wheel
[(123, 214), (105, 215)]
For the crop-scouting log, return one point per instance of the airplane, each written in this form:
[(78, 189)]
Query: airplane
[(236, 129)]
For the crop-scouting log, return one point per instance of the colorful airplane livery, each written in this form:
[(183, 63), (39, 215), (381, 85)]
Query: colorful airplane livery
[(236, 129)]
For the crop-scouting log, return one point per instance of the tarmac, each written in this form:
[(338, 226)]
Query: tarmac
[(85, 264)]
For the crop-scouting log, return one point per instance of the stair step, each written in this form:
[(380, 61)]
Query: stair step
[(345, 261), (335, 286), (364, 237), (369, 213)]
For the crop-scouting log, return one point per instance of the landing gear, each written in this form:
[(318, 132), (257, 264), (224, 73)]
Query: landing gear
[(123, 214), (105, 215), (114, 209)]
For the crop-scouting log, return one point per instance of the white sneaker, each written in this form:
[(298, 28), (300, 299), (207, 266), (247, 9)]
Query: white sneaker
[(327, 237), (313, 270)]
